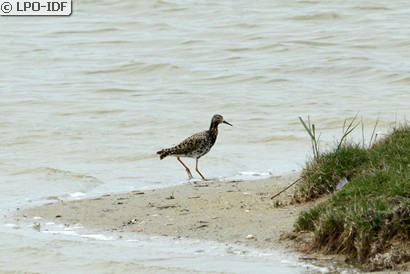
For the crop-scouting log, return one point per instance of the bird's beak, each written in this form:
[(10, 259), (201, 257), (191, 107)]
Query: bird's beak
[(225, 122)]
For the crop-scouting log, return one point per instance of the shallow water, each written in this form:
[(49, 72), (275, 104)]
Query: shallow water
[(87, 100)]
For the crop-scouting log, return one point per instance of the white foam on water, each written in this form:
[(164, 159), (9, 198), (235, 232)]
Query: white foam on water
[(15, 226), (60, 232), (99, 237), (77, 195)]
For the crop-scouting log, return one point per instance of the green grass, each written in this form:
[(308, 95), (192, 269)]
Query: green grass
[(369, 218)]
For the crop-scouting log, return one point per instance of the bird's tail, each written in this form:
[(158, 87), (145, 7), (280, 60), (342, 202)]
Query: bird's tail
[(164, 153)]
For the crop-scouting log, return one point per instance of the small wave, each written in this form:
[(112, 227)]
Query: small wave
[(85, 31), (114, 90), (75, 230), (252, 173), (373, 8), (246, 175), (272, 139), (312, 43), (404, 80), (54, 173), (237, 25), (137, 67), (191, 42), (317, 16)]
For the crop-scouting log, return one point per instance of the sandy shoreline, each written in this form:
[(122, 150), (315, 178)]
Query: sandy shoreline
[(237, 212)]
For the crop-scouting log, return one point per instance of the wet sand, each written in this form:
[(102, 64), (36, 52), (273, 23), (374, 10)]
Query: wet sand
[(236, 212)]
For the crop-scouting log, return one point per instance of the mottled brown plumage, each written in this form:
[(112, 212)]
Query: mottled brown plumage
[(195, 146)]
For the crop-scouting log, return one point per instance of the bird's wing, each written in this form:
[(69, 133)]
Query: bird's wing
[(191, 143)]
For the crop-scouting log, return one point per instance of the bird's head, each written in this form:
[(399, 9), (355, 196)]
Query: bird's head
[(218, 119)]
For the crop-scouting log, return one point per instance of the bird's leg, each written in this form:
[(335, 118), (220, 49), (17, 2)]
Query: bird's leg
[(197, 170), (186, 168)]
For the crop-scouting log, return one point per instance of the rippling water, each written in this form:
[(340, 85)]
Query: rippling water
[(87, 100)]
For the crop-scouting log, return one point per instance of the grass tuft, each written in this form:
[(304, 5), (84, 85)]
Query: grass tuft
[(368, 219), (322, 175)]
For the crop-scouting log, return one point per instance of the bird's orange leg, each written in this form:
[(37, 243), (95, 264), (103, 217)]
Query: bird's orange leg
[(197, 170), (186, 168)]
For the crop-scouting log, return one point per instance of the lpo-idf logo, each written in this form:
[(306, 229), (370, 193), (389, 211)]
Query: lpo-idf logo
[(35, 7)]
